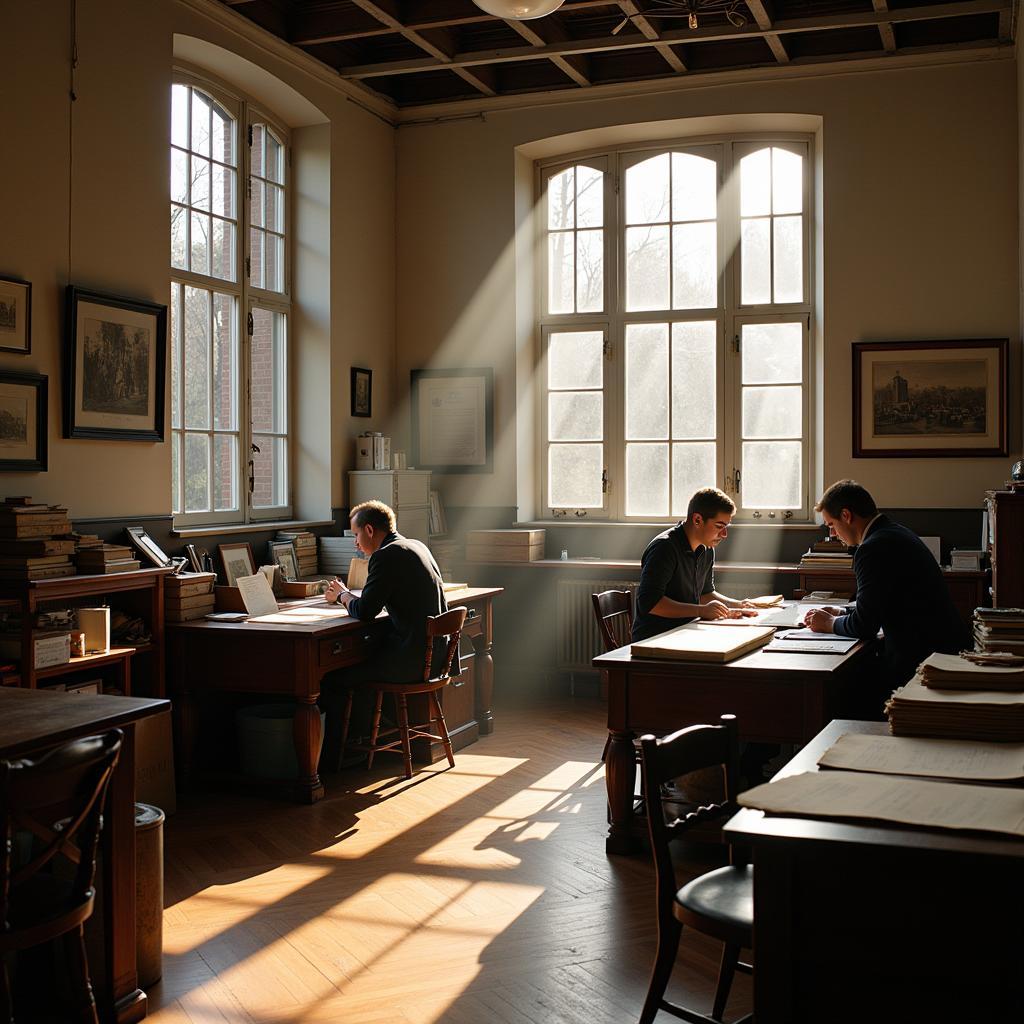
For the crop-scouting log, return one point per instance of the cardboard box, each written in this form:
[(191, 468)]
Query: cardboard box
[(48, 648)]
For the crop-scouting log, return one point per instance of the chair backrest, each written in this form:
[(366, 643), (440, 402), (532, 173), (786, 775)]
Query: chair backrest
[(664, 759), (449, 625), (614, 612), (69, 785)]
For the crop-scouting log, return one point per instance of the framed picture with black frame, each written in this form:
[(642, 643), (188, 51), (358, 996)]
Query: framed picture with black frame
[(362, 391), (282, 554), (23, 423), (15, 316)]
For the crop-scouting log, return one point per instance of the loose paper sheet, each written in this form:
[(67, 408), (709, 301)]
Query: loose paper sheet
[(944, 805), (256, 594), (306, 613), (829, 645), (906, 755)]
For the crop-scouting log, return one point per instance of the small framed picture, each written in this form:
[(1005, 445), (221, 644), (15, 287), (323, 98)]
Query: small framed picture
[(22, 422), (361, 392), (149, 547), (238, 561), (15, 316), (282, 554)]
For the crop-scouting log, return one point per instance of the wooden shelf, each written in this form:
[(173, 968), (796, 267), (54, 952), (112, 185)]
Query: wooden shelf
[(114, 655)]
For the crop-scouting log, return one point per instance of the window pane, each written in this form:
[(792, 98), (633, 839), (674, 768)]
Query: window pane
[(575, 359), (756, 184), (225, 363), (179, 176), (175, 473), (574, 475), (560, 272), (562, 200), (647, 191), (200, 183), (179, 115), (589, 271), (256, 260), (755, 263), (270, 484), (256, 203), (222, 200), (223, 256), (694, 184), (575, 416), (693, 467), (274, 253), (647, 277), (694, 397), (787, 182), (275, 208), (225, 473), (772, 412), (646, 479), (694, 266), (200, 262), (200, 124), (256, 150), (275, 161), (175, 315), (589, 197), (223, 148), (772, 353), (269, 410), (789, 267), (179, 245), (197, 361), (771, 474), (646, 381), (197, 473)]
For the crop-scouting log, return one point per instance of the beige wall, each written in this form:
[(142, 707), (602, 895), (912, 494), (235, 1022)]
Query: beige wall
[(920, 241), (119, 222)]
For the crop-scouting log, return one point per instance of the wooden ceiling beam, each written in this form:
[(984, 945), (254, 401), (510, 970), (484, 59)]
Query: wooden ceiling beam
[(648, 31), (574, 67), (763, 17), (885, 29)]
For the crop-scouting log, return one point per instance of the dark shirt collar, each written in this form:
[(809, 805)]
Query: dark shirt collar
[(697, 551)]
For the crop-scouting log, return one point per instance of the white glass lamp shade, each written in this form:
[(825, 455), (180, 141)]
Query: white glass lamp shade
[(519, 10)]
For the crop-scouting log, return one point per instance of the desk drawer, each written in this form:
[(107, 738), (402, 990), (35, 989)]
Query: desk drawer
[(474, 624), (346, 649)]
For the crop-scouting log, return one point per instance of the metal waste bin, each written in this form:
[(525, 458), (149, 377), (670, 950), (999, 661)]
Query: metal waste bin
[(149, 893)]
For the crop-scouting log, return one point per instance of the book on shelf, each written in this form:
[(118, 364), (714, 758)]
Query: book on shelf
[(21, 530), (43, 572), (105, 553), (121, 565), (189, 584), (21, 562), (36, 548)]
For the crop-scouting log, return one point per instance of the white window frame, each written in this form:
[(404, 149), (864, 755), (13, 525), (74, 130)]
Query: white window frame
[(729, 315), (246, 113)]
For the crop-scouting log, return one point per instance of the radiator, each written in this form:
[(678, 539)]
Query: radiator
[(578, 638)]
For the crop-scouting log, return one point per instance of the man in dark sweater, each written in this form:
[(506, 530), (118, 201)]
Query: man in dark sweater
[(900, 590)]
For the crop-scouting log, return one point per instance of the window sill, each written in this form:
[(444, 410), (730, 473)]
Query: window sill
[(540, 524), (223, 529)]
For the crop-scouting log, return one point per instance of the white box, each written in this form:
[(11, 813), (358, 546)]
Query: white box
[(381, 452), (52, 650), (95, 624)]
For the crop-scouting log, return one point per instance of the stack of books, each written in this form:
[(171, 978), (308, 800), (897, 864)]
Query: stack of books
[(504, 545), (305, 549), (999, 629), (960, 672), (189, 595), (29, 544), (827, 554), (337, 552), (989, 715), (106, 558)]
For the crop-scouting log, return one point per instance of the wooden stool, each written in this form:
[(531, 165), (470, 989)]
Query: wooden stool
[(449, 625)]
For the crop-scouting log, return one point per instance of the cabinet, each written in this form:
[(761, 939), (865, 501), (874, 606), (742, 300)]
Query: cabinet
[(1006, 546), (139, 593), (407, 491)]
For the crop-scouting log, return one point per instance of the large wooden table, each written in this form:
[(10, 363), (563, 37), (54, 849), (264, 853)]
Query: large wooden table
[(777, 697), (880, 923), (31, 722), (291, 659)]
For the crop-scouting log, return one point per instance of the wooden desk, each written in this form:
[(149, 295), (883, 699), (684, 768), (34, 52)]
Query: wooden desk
[(291, 659), (778, 698), (32, 721), (879, 923)]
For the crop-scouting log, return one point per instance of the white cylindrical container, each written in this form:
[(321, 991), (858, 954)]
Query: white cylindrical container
[(95, 624)]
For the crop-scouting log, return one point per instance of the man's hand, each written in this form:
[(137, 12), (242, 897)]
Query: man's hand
[(335, 592), (820, 620), (718, 610)]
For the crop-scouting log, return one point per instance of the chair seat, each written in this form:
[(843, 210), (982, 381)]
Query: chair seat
[(720, 903), (41, 907)]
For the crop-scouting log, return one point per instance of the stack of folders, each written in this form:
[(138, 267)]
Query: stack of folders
[(337, 552), (999, 629), (957, 672), (993, 714)]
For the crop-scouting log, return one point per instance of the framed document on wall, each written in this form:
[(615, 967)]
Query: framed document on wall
[(453, 420)]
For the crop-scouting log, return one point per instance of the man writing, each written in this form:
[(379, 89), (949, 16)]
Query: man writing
[(900, 590), (677, 571)]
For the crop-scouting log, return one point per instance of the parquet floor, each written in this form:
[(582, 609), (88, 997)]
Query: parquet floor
[(472, 895)]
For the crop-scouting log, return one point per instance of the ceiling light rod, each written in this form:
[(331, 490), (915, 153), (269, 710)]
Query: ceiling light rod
[(689, 9)]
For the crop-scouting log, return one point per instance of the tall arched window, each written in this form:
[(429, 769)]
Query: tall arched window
[(230, 308)]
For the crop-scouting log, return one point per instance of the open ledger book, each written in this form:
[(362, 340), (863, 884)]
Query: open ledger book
[(700, 641)]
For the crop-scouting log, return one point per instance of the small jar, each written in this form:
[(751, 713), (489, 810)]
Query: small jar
[(77, 644)]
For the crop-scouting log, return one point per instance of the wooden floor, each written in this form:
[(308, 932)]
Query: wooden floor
[(471, 895)]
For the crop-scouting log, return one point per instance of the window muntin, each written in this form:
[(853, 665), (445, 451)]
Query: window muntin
[(575, 240), (712, 239)]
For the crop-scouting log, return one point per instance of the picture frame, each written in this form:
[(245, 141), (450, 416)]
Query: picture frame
[(362, 391), (143, 543), (23, 422), (930, 399), (237, 560), (15, 316), (115, 360), (453, 420), (282, 554), (437, 525)]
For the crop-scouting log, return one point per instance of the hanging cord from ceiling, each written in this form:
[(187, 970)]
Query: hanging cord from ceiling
[(689, 9), (72, 97)]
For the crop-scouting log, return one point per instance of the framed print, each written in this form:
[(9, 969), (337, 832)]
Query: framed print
[(930, 399), (15, 316), (142, 542), (437, 526), (237, 561), (453, 420), (22, 422), (282, 554), (361, 391), (115, 359)]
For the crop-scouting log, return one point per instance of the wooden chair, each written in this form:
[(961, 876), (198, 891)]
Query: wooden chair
[(449, 625), (614, 612), (68, 783), (719, 903)]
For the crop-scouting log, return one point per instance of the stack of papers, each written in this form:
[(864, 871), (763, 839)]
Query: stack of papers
[(999, 629), (951, 672), (916, 710)]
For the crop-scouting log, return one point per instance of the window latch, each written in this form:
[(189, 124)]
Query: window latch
[(736, 481), (252, 476), (604, 481)]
